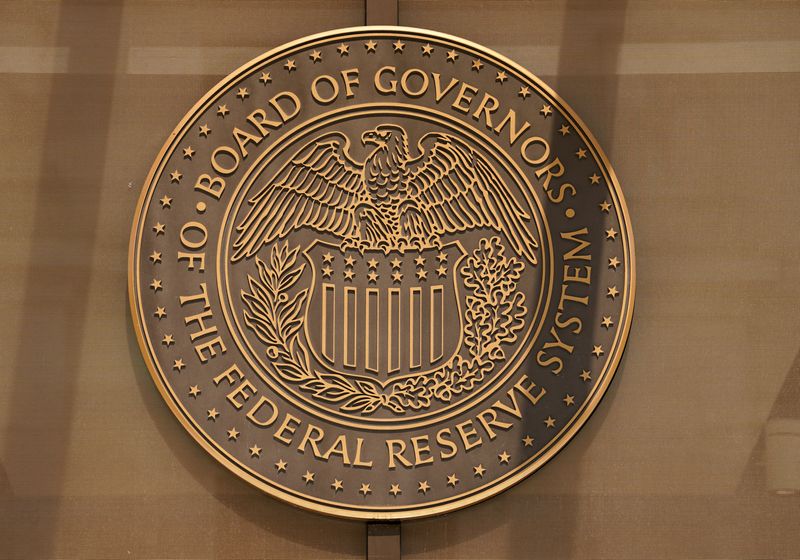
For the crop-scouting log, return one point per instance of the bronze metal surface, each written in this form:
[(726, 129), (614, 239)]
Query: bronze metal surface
[(382, 273)]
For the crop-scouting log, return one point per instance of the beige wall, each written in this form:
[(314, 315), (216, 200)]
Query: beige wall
[(696, 104)]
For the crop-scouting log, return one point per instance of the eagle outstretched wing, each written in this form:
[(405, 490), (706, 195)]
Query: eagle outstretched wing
[(320, 187), (458, 189)]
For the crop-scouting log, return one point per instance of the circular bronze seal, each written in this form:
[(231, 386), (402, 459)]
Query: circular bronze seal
[(381, 273)]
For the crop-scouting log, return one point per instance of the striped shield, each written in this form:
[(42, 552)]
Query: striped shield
[(384, 315)]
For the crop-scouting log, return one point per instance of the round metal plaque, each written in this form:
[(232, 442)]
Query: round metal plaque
[(381, 273)]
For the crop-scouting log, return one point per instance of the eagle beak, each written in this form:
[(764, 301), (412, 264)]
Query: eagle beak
[(365, 139)]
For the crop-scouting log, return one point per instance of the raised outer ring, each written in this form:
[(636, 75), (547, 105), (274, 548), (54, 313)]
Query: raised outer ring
[(522, 472)]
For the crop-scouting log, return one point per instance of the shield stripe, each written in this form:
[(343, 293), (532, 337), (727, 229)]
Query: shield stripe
[(415, 327), (372, 334), (436, 328), (350, 323), (328, 335), (393, 336)]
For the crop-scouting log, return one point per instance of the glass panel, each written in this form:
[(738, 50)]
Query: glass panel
[(695, 450)]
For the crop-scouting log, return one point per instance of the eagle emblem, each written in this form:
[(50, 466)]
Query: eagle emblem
[(392, 201), (352, 276)]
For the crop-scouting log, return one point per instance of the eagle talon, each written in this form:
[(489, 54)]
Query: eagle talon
[(419, 243), (383, 245), (363, 246), (349, 244)]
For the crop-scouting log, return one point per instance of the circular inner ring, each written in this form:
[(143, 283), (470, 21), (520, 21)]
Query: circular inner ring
[(365, 116)]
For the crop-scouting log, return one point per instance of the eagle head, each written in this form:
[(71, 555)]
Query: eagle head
[(389, 137)]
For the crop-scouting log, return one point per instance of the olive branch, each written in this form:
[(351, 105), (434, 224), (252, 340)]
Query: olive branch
[(275, 315), (495, 313)]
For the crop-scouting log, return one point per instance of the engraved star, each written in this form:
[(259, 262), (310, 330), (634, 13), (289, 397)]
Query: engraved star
[(242, 93), (441, 257), (479, 471), (441, 271), (546, 110), (607, 322), (396, 263), (477, 65), (178, 364), (395, 490), (501, 77), (550, 422), (188, 153), (524, 92), (175, 176), (605, 206), (595, 179), (290, 65), (160, 312), (327, 271), (205, 130), (452, 480), (528, 441), (613, 262), (611, 234), (344, 50), (337, 485), (564, 130), (581, 153), (452, 56), (168, 340), (372, 277), (365, 489), (349, 274), (422, 274), (597, 351), (586, 375), (265, 78), (156, 285), (504, 457), (155, 256), (222, 110), (315, 56), (309, 477), (420, 261), (370, 46), (427, 50), (166, 202), (233, 434), (281, 465), (424, 487), (399, 46), (194, 390), (397, 276), (212, 414), (373, 263), (159, 228), (349, 261), (569, 400), (612, 292), (327, 258), (255, 451)]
